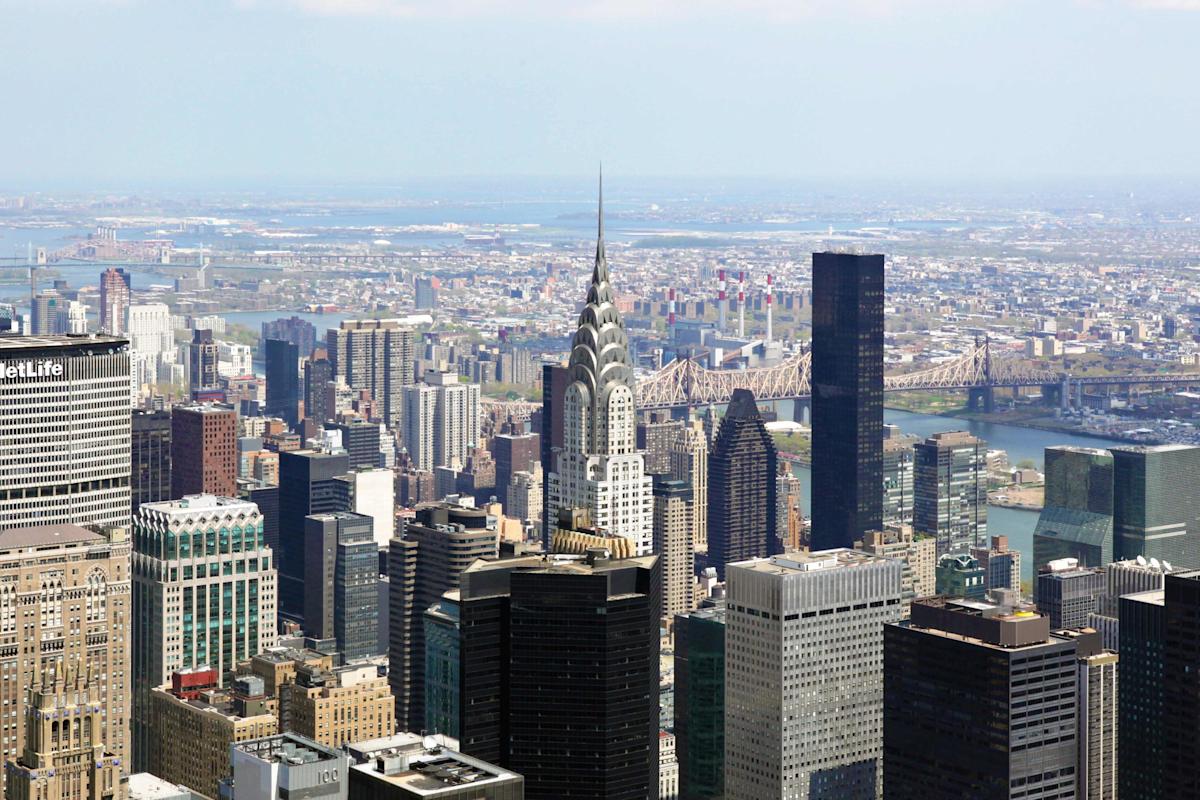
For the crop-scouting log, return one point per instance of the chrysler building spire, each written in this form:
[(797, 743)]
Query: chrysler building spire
[(599, 467), (600, 350)]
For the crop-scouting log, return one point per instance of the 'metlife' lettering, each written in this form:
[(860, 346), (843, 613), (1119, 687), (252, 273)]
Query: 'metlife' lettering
[(32, 369)]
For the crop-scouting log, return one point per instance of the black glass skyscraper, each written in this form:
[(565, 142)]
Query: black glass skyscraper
[(1181, 685), (1141, 717), (318, 372), (847, 398), (361, 440), (283, 380), (742, 487), (555, 378), (307, 485), (559, 674), (150, 446)]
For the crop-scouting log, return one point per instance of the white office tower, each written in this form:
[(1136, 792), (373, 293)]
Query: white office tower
[(441, 421), (599, 467), (371, 491), (151, 337), (234, 360), (64, 431), (804, 674), (71, 317)]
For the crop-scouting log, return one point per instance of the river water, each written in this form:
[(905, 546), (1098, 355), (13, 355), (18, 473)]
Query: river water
[(1020, 443)]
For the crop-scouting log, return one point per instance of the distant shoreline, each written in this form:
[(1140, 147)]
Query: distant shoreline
[(1033, 424)]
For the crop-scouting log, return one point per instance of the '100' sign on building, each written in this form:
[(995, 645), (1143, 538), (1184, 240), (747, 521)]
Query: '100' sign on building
[(64, 430)]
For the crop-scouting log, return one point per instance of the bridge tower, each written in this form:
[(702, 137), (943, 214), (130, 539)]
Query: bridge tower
[(982, 394)]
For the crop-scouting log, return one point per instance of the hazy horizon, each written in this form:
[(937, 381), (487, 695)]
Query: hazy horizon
[(246, 93)]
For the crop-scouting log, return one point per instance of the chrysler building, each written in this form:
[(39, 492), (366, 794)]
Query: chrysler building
[(599, 467)]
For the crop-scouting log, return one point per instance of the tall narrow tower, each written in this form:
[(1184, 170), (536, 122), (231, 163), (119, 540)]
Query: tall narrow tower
[(847, 398), (599, 467)]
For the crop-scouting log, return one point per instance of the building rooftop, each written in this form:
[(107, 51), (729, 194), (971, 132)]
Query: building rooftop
[(206, 408), (423, 766), (144, 786), (287, 748), (197, 503), (803, 561), (980, 622), (1151, 448), (46, 535), (1071, 448), (17, 343)]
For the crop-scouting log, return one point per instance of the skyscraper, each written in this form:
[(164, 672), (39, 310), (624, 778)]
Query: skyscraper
[(847, 401), (424, 563), (700, 702), (673, 545), (1181, 685), (1142, 725), (43, 312), (598, 467), (150, 455), (1068, 593), (741, 487), (425, 289), (1076, 520), (555, 378), (65, 606), (950, 490), (204, 594), (443, 689), (803, 687), (78, 766), (897, 476), (559, 666), (376, 355), (151, 337), (689, 463), (299, 332), (308, 484), (1156, 510), (441, 420), (283, 380), (1096, 690), (341, 574), (789, 517), (955, 724), (1001, 566), (64, 431), (361, 441), (203, 450), (372, 493), (203, 360), (114, 300), (318, 372), (655, 436), (515, 452)]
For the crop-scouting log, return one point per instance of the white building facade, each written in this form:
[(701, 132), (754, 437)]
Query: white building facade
[(599, 466), (441, 421), (64, 430)]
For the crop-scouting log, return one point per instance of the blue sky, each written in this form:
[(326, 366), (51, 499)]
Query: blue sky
[(112, 92)]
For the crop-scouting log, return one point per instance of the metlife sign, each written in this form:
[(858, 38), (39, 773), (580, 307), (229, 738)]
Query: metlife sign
[(25, 370)]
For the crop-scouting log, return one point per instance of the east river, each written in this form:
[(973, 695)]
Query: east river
[(1020, 443)]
